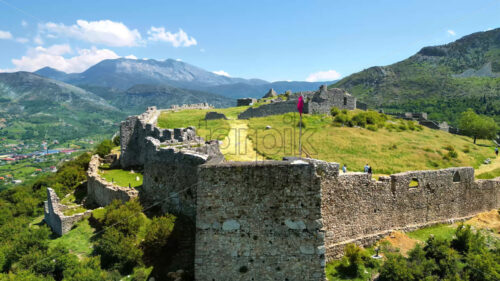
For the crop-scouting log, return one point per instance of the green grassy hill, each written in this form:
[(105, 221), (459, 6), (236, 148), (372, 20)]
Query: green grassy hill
[(390, 147), (441, 80)]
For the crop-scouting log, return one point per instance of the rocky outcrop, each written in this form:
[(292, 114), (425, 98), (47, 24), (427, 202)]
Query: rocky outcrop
[(245, 101), (101, 192), (54, 216)]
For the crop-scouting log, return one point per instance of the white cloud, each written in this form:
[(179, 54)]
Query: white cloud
[(328, 75), (132, 57), (5, 35), (178, 59), (38, 40), (179, 39), (104, 32), (451, 32), (22, 40), (24, 23), (54, 57), (222, 73)]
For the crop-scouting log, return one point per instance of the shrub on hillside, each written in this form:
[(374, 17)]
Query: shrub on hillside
[(104, 148), (157, 235), (118, 251), (126, 218), (372, 128), (341, 118), (334, 111)]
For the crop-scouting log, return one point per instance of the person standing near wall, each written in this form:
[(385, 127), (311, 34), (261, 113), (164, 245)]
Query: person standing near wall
[(496, 151), (344, 168), (366, 168)]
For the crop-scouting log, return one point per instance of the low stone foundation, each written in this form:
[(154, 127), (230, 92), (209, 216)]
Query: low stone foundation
[(101, 192), (54, 217)]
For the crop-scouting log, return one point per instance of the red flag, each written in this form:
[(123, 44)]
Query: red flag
[(300, 105)]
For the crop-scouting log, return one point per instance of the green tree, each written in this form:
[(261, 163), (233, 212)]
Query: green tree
[(477, 126), (157, 236)]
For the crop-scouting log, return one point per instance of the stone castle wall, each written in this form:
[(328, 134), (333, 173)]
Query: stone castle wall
[(171, 174), (319, 102), (356, 208), (277, 220), (192, 106), (54, 216), (259, 221), (135, 130), (101, 192)]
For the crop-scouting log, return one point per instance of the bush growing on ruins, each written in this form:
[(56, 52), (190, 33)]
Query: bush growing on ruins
[(334, 111), (467, 241), (157, 235), (126, 218), (118, 251), (104, 148), (116, 140), (372, 128), (341, 118), (354, 261)]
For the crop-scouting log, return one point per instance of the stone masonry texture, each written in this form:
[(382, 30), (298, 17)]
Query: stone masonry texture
[(101, 192), (54, 217)]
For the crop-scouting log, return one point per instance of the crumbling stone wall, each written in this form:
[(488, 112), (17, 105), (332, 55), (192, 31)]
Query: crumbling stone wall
[(54, 216), (319, 102), (356, 208), (191, 106), (171, 174), (259, 221), (135, 130), (324, 99), (212, 115), (245, 101), (269, 109), (101, 192)]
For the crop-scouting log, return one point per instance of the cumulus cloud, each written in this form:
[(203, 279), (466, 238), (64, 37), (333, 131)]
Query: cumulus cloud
[(451, 32), (56, 56), (38, 39), (328, 75), (132, 57), (5, 35), (179, 39), (104, 32), (222, 73)]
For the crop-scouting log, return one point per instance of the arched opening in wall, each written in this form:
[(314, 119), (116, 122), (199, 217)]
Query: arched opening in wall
[(345, 100), (456, 177), (413, 183)]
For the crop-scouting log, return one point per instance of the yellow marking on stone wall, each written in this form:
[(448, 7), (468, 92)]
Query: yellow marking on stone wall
[(237, 146)]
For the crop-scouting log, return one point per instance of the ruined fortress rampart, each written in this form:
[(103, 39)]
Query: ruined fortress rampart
[(101, 192), (54, 216), (285, 219), (319, 102)]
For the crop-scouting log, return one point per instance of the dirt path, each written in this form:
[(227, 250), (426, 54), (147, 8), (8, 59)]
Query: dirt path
[(484, 168), (236, 146)]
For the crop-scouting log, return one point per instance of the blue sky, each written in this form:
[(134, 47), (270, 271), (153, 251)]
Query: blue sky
[(271, 40)]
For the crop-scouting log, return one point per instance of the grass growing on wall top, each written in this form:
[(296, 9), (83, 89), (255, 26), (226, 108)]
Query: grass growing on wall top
[(122, 177)]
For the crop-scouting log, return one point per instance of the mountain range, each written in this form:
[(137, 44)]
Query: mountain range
[(441, 80), (124, 73)]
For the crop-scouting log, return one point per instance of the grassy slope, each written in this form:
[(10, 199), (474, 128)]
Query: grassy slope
[(77, 240), (211, 129), (387, 152)]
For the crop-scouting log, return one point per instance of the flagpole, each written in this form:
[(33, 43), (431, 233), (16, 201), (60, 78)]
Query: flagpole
[(300, 136)]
